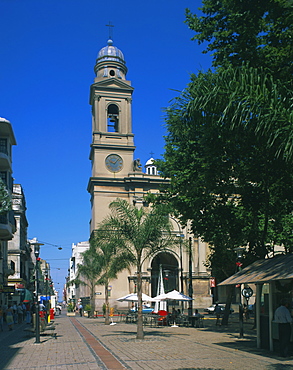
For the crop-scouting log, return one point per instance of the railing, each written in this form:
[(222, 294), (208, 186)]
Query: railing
[(7, 217)]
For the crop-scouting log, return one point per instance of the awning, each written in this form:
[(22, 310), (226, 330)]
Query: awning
[(277, 268), (26, 295)]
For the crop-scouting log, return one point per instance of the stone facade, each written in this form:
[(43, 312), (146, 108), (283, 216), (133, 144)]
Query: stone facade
[(7, 222), (18, 248), (116, 174)]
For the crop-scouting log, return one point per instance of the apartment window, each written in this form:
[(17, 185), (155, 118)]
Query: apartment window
[(3, 146), (12, 265), (3, 176)]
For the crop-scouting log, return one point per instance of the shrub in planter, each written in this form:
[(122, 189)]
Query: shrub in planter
[(88, 309), (70, 307)]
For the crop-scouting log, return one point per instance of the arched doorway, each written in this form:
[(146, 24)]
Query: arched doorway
[(170, 270)]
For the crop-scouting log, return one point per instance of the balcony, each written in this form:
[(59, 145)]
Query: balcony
[(5, 154), (7, 225)]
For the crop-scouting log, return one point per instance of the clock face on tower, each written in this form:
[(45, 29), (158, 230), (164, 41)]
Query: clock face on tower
[(114, 163)]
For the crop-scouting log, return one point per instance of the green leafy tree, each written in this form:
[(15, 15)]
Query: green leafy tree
[(112, 257), (258, 32), (225, 175), (144, 233), (88, 273), (5, 198)]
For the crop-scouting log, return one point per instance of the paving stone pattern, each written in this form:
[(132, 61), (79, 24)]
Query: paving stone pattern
[(84, 343)]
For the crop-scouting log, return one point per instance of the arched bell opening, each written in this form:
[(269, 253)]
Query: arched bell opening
[(113, 118)]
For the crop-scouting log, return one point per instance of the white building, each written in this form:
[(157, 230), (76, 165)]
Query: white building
[(75, 291)]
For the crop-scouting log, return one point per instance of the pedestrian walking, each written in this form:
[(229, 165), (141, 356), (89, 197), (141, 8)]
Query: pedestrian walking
[(19, 313), (9, 317), (28, 318), (23, 306), (80, 309), (1, 318), (284, 319), (14, 312)]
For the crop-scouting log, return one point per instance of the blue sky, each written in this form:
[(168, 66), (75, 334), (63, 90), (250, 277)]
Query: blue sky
[(48, 52)]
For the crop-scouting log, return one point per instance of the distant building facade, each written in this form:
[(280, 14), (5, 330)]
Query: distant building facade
[(19, 252), (76, 291), (7, 221)]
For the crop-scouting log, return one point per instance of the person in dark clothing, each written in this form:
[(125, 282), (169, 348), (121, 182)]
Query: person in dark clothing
[(284, 319)]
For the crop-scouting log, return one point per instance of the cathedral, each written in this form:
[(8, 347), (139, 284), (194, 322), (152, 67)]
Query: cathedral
[(116, 173)]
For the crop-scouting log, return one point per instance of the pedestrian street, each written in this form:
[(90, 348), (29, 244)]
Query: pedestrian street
[(86, 343)]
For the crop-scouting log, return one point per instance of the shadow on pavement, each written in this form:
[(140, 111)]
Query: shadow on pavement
[(11, 342), (147, 334), (279, 367), (250, 346), (7, 342)]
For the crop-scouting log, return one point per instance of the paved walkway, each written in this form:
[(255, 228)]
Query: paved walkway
[(84, 343)]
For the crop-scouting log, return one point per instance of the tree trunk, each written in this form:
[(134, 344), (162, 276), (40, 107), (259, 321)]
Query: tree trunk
[(107, 321), (92, 301), (230, 292), (140, 334)]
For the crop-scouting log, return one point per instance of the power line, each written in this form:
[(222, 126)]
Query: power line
[(53, 245)]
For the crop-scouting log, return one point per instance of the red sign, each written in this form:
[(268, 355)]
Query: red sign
[(19, 286), (213, 282)]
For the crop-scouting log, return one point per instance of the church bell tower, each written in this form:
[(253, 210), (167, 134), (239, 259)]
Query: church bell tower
[(112, 145)]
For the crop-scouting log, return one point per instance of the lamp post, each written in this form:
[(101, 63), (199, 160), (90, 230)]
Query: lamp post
[(46, 289), (37, 245), (239, 252), (180, 235), (190, 287)]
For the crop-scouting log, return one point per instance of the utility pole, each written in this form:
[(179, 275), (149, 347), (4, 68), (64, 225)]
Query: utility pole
[(190, 288)]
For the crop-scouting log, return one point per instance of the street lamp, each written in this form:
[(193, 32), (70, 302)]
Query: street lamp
[(46, 289), (239, 251), (190, 287), (37, 245), (180, 235)]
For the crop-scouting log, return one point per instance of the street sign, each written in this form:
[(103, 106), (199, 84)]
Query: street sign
[(247, 292), (7, 289)]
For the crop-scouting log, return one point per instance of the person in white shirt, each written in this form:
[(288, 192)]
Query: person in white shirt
[(284, 319)]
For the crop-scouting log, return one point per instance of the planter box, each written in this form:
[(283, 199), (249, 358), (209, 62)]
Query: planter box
[(70, 313)]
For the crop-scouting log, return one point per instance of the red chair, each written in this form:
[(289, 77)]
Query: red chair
[(162, 319)]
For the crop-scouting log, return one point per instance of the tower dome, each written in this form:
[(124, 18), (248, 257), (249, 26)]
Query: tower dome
[(110, 52), (150, 167), (110, 62)]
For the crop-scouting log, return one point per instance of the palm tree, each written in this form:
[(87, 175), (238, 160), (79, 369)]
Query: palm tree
[(88, 273), (144, 232), (112, 257)]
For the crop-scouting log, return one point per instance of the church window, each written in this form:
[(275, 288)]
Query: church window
[(113, 118), (112, 73)]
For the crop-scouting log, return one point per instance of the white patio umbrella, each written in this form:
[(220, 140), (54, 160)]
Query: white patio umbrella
[(160, 305), (132, 297), (174, 295)]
